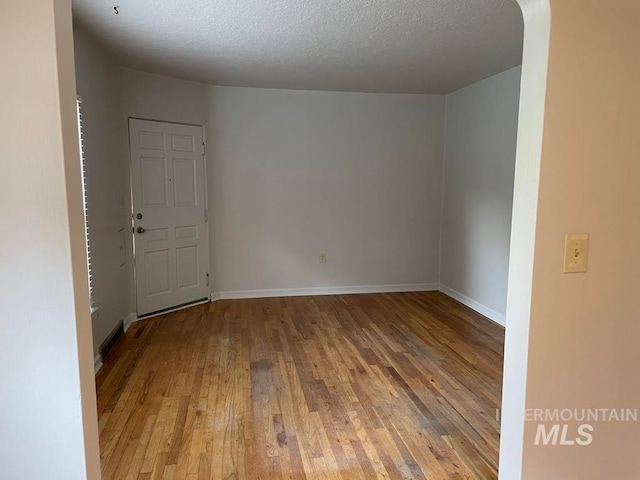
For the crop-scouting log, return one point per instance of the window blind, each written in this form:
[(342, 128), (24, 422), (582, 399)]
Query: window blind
[(85, 202)]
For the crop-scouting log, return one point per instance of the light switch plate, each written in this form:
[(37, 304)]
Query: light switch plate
[(576, 252)]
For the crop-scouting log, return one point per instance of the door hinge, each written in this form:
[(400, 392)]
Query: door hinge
[(207, 279), (204, 148), (206, 216)]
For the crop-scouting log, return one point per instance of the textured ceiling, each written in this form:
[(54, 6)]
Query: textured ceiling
[(403, 46)]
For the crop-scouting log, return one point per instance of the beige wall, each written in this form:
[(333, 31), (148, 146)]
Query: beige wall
[(585, 328), (48, 423)]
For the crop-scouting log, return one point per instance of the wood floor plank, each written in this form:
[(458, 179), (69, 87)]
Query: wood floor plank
[(357, 387)]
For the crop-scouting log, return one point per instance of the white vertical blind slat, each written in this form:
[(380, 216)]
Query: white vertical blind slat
[(85, 202)]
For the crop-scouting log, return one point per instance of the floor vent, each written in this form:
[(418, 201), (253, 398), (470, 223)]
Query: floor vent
[(111, 340)]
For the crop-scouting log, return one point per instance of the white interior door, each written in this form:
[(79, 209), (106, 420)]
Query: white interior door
[(171, 238)]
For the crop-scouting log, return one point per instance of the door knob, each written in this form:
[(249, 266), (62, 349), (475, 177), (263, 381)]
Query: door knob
[(139, 216), (140, 230)]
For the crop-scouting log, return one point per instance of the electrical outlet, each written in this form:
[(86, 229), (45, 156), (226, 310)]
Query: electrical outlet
[(323, 258), (576, 251)]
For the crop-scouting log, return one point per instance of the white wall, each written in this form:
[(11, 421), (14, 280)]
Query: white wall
[(537, 18), (155, 97), (107, 171), (293, 174), (480, 150), (110, 94), (48, 424)]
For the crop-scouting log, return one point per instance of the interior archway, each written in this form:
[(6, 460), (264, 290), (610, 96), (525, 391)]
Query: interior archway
[(537, 23)]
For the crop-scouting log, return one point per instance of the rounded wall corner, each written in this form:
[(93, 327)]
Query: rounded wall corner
[(534, 8), (536, 15)]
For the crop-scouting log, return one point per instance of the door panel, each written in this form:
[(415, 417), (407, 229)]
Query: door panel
[(158, 272), (168, 185), (187, 266), (182, 143), (151, 140), (184, 182), (153, 182)]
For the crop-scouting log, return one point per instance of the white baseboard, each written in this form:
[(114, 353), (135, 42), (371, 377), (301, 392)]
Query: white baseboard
[(97, 363), (128, 320), (471, 303), (314, 291)]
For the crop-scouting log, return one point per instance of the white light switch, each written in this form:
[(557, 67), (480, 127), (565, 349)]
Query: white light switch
[(576, 252)]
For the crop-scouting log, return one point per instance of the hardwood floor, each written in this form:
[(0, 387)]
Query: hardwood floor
[(397, 386)]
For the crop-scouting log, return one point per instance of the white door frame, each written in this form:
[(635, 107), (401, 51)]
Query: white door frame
[(132, 213)]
